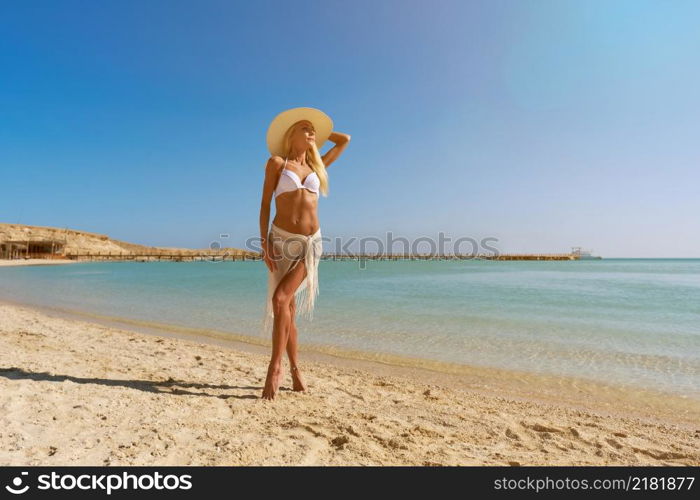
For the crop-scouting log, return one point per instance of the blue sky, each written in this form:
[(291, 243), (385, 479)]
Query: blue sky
[(545, 124)]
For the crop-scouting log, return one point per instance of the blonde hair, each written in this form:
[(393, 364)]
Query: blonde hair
[(313, 159)]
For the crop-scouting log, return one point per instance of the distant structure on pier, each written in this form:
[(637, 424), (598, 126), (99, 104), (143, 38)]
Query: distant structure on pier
[(582, 254)]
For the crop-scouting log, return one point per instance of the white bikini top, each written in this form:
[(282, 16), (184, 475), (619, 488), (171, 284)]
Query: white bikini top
[(289, 181)]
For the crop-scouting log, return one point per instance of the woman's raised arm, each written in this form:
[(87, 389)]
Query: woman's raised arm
[(341, 141)]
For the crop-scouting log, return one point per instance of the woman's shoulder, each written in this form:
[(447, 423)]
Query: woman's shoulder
[(273, 173), (274, 163)]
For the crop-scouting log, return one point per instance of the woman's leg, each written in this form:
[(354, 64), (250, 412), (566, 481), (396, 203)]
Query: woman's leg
[(281, 326), (297, 381)]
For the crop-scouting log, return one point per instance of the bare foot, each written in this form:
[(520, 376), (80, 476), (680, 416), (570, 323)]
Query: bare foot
[(273, 381), (297, 381)]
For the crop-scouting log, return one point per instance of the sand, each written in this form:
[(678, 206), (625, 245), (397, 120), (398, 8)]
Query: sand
[(34, 262), (76, 392)]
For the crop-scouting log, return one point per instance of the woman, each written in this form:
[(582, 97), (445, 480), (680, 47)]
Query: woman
[(295, 175)]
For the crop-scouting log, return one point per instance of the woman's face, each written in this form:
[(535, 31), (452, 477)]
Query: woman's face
[(304, 135)]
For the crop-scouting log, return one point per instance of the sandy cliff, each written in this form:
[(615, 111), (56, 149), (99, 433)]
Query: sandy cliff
[(83, 241)]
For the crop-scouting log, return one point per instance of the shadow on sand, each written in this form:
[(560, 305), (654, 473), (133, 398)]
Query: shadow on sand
[(170, 386)]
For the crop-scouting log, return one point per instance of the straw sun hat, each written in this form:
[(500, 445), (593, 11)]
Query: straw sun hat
[(322, 123)]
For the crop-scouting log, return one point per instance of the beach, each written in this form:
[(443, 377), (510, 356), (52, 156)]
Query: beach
[(34, 262), (77, 392)]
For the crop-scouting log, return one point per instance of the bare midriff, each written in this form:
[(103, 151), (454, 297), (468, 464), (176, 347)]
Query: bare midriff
[(295, 211)]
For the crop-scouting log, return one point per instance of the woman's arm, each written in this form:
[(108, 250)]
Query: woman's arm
[(341, 141), (272, 172)]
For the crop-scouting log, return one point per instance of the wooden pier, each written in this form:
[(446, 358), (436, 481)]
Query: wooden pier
[(219, 256), (449, 257), (155, 256)]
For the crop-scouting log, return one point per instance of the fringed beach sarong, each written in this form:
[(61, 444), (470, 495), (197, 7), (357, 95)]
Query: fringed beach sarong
[(291, 248)]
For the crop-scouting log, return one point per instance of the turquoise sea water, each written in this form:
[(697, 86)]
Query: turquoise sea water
[(634, 321)]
